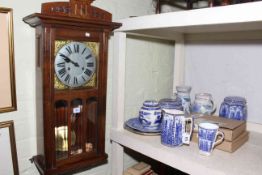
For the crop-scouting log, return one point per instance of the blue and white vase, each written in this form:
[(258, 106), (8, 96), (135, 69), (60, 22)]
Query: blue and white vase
[(183, 92), (203, 104), (234, 107), (150, 114)]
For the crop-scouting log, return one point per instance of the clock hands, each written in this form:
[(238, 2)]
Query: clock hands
[(68, 60)]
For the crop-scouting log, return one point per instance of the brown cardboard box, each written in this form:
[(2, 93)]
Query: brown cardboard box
[(137, 169), (231, 128), (227, 145)]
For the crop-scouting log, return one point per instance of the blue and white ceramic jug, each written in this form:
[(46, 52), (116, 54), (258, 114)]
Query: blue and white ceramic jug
[(203, 104), (174, 131), (234, 107)]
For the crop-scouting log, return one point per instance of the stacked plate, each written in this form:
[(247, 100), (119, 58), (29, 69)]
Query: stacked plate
[(134, 125)]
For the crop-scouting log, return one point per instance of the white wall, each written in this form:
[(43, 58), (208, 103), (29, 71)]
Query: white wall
[(149, 72), (24, 43), (225, 68), (149, 75)]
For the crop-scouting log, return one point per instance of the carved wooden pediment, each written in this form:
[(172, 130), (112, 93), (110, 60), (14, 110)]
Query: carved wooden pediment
[(76, 8)]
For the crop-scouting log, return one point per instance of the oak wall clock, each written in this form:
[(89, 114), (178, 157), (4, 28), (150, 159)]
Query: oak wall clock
[(71, 49)]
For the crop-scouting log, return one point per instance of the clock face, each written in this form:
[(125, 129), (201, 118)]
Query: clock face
[(74, 64)]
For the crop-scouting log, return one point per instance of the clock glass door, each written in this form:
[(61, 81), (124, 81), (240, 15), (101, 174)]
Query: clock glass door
[(76, 68), (75, 132)]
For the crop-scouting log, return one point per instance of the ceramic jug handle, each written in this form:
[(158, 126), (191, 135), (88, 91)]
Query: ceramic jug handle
[(220, 139), (175, 95), (187, 135), (214, 107)]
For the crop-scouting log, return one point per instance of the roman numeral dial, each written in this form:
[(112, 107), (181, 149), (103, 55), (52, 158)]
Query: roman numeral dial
[(75, 64)]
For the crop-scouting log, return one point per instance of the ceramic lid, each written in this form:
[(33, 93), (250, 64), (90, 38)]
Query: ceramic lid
[(170, 103), (151, 103), (183, 88), (235, 99)]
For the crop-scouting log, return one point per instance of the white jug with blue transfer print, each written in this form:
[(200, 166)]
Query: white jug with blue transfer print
[(203, 104)]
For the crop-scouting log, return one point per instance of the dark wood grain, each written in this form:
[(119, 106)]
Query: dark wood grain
[(71, 21)]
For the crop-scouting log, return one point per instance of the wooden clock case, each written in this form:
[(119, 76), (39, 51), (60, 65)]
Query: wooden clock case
[(77, 21)]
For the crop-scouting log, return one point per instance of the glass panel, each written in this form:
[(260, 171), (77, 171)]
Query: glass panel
[(76, 127), (91, 130), (61, 130)]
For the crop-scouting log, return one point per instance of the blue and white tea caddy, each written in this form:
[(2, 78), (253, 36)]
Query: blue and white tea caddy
[(150, 114), (234, 107)]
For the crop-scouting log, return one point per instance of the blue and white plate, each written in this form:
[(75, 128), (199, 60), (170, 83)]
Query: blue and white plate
[(135, 124)]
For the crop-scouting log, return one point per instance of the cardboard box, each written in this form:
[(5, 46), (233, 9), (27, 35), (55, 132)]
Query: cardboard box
[(137, 169), (227, 145), (231, 128)]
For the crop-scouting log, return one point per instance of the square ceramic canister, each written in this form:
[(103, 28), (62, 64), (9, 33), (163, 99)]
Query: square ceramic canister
[(207, 137)]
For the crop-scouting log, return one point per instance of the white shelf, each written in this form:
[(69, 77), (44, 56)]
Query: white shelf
[(245, 161), (231, 22), (240, 17)]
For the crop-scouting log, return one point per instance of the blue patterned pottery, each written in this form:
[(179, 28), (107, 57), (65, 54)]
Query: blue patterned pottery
[(173, 126), (134, 123), (207, 135), (183, 92), (150, 114), (168, 103), (234, 107), (203, 104)]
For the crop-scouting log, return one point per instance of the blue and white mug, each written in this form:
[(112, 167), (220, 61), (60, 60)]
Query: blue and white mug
[(207, 137), (173, 128)]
